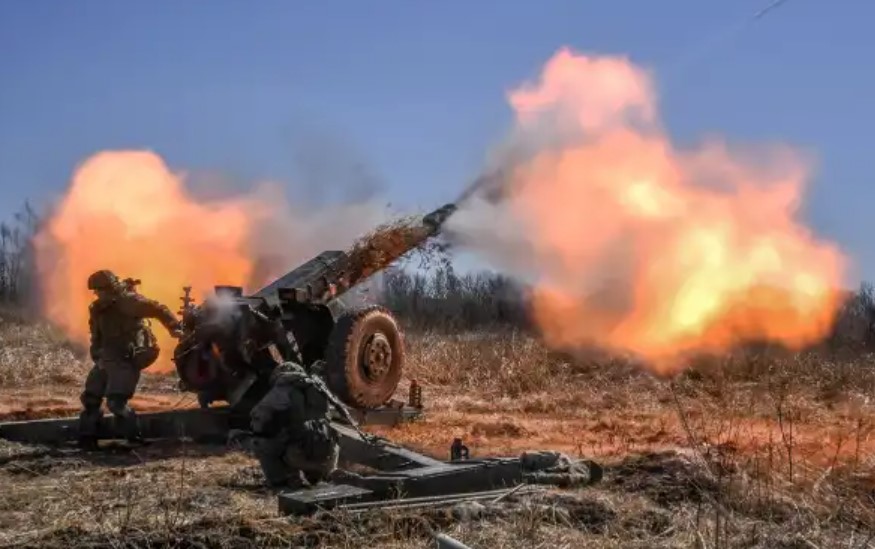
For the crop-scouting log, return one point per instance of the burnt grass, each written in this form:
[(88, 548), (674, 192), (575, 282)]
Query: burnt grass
[(751, 450)]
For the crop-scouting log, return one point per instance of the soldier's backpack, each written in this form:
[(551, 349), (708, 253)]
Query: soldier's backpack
[(146, 351)]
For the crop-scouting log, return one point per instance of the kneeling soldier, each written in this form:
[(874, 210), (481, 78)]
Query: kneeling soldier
[(291, 430)]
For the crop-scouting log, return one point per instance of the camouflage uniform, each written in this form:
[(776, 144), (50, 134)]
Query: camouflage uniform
[(121, 346), (291, 428), (548, 467)]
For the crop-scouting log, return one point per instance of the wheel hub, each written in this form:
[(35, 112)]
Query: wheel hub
[(377, 357)]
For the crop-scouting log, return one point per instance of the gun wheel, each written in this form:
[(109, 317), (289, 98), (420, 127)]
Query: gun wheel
[(364, 357), (377, 357)]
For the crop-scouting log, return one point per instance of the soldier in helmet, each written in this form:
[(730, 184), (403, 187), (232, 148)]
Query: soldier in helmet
[(121, 346), (291, 432)]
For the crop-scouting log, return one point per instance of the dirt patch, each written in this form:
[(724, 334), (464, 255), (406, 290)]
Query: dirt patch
[(22, 406), (647, 523), (582, 511), (501, 428), (668, 478)]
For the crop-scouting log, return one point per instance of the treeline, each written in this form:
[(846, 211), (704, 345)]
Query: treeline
[(441, 299), (854, 327), (16, 257)]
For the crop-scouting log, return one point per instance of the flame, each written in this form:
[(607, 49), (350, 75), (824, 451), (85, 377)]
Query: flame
[(125, 211), (643, 247)]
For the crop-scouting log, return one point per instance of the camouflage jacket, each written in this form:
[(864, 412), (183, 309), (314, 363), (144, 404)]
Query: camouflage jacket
[(118, 327), (294, 400)]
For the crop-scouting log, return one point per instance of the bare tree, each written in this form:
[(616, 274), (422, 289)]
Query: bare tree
[(17, 257)]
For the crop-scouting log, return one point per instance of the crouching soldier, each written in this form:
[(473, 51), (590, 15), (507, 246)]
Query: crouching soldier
[(291, 432), (121, 346)]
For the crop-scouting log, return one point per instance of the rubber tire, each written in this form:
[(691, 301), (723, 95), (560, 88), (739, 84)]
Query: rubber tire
[(343, 372)]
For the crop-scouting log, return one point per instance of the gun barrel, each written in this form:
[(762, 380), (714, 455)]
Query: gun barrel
[(292, 318), (436, 219), (334, 272)]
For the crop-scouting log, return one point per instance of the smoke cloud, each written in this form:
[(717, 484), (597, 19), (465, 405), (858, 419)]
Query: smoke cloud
[(639, 246), (129, 212)]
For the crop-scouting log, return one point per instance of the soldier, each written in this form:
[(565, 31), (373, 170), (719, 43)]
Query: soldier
[(291, 432), (547, 467), (121, 346)]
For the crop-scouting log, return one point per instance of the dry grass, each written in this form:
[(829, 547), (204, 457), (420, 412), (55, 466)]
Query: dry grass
[(756, 450), (41, 372), (33, 354)]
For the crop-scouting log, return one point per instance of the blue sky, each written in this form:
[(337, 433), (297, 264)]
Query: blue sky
[(415, 91)]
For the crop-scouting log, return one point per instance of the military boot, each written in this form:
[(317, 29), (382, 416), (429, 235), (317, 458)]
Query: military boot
[(89, 421), (133, 434), (127, 423), (88, 442)]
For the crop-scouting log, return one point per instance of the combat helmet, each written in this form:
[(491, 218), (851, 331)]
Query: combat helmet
[(103, 280)]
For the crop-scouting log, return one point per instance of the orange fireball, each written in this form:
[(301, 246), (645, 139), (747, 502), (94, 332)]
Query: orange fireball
[(127, 212), (640, 246)]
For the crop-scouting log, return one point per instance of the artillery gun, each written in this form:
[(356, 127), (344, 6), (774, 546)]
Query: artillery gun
[(232, 342)]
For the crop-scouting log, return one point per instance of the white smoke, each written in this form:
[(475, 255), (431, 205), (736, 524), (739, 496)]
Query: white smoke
[(293, 234)]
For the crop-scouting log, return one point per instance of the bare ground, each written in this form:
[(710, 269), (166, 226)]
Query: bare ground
[(758, 450)]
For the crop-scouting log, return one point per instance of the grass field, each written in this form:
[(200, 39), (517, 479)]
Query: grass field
[(764, 449)]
